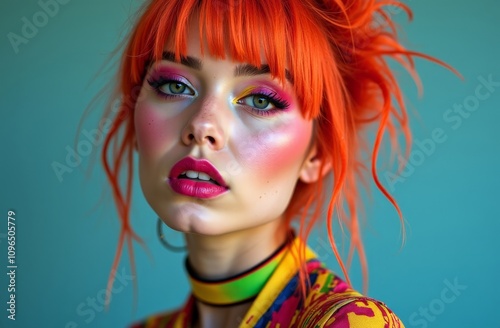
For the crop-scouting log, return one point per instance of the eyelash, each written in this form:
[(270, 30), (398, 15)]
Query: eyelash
[(279, 103), (157, 83)]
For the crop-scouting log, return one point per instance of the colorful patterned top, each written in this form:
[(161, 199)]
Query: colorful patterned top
[(329, 303)]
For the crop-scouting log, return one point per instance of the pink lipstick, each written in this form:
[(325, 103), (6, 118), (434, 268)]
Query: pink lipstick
[(196, 178)]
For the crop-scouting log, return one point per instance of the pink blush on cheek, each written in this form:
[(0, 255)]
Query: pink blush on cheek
[(278, 149), (151, 129)]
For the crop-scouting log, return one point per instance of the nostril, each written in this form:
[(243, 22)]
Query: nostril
[(211, 139)]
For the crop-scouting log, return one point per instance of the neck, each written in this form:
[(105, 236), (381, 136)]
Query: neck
[(223, 256), (217, 317), (220, 257)]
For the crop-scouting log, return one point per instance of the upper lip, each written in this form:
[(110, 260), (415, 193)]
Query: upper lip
[(198, 165)]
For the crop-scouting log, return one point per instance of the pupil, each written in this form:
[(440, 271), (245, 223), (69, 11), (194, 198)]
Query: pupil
[(177, 87)]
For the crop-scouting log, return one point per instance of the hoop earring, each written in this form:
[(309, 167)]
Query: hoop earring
[(165, 243)]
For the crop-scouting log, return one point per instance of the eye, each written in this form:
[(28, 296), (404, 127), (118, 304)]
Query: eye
[(168, 87), (260, 102), (175, 88)]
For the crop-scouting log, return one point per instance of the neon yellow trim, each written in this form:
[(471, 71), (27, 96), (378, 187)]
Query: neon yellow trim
[(280, 278), (236, 290)]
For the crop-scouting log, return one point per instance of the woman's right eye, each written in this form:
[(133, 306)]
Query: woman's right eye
[(171, 88), (176, 88)]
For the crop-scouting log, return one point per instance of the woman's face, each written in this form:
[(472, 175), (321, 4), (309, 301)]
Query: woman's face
[(204, 117)]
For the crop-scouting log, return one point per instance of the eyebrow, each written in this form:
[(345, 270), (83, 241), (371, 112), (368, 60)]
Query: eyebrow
[(251, 70), (240, 70), (188, 61)]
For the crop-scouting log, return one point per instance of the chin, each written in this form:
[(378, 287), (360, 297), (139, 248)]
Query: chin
[(192, 218)]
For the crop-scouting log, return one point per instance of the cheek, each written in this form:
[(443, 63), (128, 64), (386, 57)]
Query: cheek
[(154, 131), (280, 149)]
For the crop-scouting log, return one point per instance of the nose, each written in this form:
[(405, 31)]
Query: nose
[(206, 126)]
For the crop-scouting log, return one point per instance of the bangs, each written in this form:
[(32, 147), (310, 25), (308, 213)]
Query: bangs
[(274, 31)]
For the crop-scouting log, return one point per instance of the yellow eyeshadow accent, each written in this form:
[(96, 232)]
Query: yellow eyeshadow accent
[(247, 91)]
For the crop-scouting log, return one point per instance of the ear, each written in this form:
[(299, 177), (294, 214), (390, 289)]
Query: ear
[(311, 169)]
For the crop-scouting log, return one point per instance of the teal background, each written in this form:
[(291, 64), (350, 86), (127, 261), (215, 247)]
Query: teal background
[(67, 230)]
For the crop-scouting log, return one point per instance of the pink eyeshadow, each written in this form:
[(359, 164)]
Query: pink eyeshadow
[(170, 72), (271, 87)]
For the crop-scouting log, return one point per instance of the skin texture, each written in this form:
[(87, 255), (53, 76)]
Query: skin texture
[(260, 155)]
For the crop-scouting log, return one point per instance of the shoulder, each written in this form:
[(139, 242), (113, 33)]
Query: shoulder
[(331, 303), (356, 312)]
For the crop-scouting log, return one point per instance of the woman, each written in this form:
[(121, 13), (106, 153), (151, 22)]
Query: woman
[(239, 110)]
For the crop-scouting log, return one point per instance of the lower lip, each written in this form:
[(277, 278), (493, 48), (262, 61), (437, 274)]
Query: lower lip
[(196, 189)]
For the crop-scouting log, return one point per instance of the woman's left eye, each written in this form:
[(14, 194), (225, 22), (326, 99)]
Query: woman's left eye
[(260, 102)]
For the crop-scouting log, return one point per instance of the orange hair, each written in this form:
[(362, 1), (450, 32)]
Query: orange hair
[(336, 52)]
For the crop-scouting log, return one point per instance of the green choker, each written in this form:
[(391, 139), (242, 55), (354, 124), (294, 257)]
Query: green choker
[(237, 289)]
